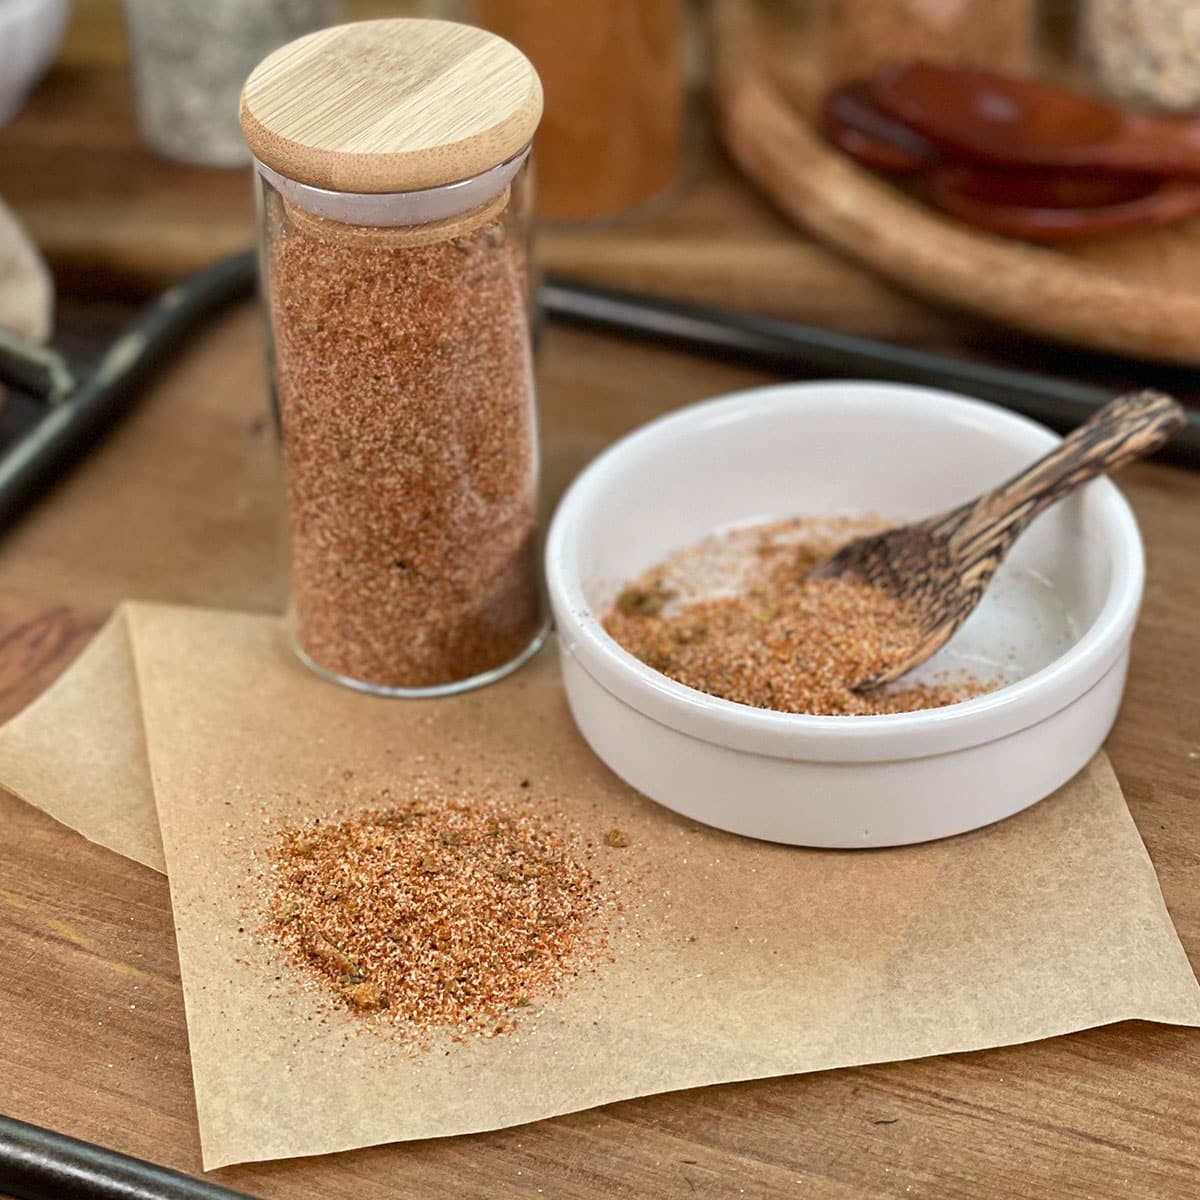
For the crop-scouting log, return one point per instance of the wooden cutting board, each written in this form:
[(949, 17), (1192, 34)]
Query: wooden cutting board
[(181, 504)]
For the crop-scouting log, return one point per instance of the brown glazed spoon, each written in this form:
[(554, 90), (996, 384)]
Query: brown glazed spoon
[(851, 120), (1051, 207), (1021, 123), (939, 568)]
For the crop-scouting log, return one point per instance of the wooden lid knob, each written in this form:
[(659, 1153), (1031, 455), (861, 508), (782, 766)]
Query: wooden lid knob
[(390, 106)]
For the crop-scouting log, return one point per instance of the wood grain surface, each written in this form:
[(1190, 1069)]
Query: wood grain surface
[(182, 505), (470, 101), (109, 216)]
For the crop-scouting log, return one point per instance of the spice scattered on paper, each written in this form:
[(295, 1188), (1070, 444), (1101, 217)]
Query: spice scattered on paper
[(444, 914), (733, 616)]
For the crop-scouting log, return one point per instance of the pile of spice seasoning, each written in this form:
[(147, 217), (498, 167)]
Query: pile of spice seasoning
[(405, 392), (441, 915), (733, 616)]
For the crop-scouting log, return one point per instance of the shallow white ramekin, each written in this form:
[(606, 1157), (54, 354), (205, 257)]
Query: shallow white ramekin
[(829, 448)]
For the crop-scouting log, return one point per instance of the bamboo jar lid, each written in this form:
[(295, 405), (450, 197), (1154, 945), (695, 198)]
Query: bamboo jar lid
[(390, 106)]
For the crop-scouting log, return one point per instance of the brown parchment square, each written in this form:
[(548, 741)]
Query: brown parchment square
[(734, 959), (78, 751)]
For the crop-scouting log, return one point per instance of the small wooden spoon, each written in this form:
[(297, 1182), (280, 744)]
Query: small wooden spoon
[(1020, 123), (1039, 205), (939, 568)]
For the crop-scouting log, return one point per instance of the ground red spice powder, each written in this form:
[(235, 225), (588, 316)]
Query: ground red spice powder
[(734, 617), (405, 391), (444, 914)]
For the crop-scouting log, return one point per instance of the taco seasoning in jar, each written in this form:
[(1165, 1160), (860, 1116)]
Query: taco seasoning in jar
[(390, 159)]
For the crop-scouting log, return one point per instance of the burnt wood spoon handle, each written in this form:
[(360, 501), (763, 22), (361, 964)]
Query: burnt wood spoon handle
[(940, 568), (1131, 427)]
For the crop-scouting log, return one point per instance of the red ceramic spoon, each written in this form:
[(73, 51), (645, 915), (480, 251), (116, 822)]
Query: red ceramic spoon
[(1016, 122), (1036, 205), (1053, 207), (851, 120)]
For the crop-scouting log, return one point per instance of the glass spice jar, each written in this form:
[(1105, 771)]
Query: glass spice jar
[(390, 158), (860, 36), (190, 60), (1143, 51)]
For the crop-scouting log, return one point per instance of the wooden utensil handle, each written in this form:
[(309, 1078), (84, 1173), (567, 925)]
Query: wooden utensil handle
[(1132, 426)]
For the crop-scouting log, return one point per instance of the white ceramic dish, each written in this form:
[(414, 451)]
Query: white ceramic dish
[(1057, 622), (30, 31)]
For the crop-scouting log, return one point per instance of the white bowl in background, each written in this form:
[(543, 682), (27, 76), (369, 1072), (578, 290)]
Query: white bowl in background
[(30, 32), (1057, 621)]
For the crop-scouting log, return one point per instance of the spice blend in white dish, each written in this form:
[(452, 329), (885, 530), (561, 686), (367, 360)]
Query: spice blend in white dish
[(734, 616)]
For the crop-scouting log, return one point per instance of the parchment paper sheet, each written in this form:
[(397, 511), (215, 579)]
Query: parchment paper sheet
[(79, 751), (801, 960)]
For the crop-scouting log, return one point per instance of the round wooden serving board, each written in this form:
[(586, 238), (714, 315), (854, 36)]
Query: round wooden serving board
[(1137, 294)]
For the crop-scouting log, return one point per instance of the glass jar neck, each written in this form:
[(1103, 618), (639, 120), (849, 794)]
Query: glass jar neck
[(397, 208)]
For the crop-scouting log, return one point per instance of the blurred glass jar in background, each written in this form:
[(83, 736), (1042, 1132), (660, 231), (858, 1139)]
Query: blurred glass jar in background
[(611, 139), (860, 36), (190, 59), (1143, 51)]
